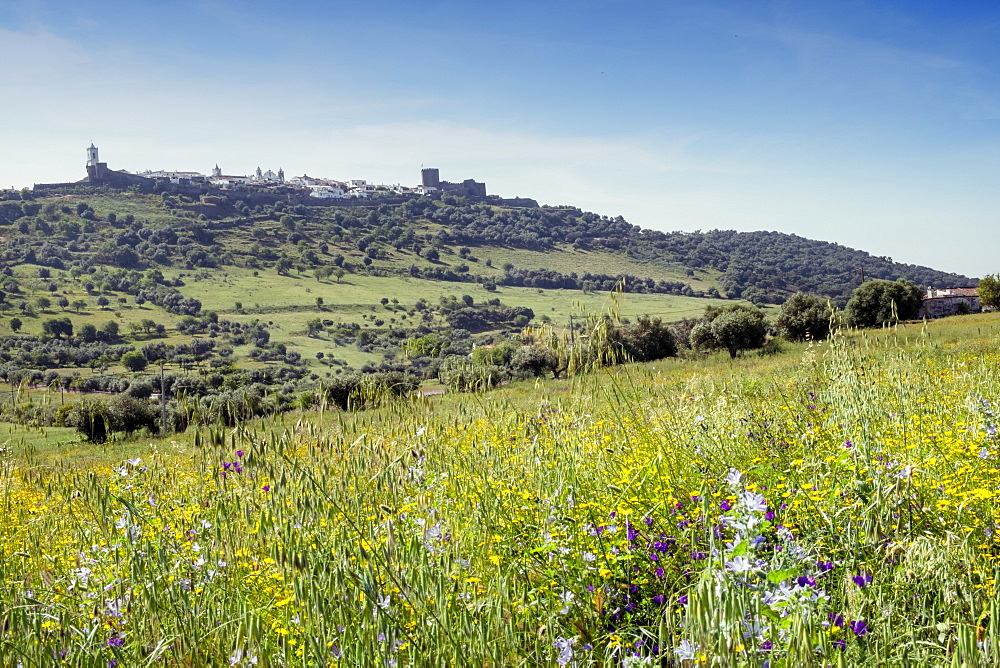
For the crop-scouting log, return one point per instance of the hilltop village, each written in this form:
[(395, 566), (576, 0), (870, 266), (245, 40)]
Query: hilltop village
[(315, 190)]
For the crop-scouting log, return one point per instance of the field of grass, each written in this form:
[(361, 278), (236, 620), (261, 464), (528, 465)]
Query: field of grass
[(834, 504), (291, 302)]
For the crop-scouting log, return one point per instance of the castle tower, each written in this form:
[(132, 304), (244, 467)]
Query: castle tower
[(281, 175), (217, 173), (260, 175), (92, 155), (430, 177)]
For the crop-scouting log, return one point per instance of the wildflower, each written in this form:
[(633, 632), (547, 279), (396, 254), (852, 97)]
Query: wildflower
[(565, 647), (860, 628), (686, 651), (733, 478), (266, 488), (754, 503), (239, 454), (115, 641), (238, 656), (336, 652), (739, 564), (840, 644), (863, 579)]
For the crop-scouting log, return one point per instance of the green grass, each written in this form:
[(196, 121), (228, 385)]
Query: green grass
[(503, 528)]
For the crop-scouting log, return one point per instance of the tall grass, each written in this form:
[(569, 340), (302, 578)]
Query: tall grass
[(835, 505)]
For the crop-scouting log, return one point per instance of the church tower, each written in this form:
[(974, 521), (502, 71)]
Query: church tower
[(92, 155), (217, 173), (281, 175)]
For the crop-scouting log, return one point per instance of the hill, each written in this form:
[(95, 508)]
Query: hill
[(450, 239), (251, 302)]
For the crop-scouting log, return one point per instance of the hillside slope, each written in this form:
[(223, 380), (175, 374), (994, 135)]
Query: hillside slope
[(446, 240)]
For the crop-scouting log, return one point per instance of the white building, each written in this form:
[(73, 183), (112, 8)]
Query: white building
[(326, 192)]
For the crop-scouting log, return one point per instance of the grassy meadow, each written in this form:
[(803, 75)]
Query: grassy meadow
[(832, 504)]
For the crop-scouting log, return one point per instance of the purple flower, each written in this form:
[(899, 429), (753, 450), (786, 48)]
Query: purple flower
[(266, 488), (682, 599), (840, 644), (824, 567), (769, 515), (115, 642), (659, 599), (648, 521), (659, 572), (725, 505), (860, 628), (697, 556), (805, 581), (835, 619), (239, 454), (862, 579)]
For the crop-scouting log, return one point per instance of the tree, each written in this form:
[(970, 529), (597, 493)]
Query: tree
[(79, 304), (319, 303), (102, 301), (989, 291), (314, 327), (110, 330), (15, 324), (63, 302), (134, 361), (733, 328), (804, 316), (879, 302), (57, 327), (648, 340), (43, 303), (283, 265)]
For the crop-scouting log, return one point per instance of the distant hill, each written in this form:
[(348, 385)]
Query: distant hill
[(544, 247)]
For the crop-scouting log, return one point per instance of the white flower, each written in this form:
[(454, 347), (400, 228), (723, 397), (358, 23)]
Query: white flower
[(740, 564), (687, 650), (754, 503), (567, 599), (734, 478)]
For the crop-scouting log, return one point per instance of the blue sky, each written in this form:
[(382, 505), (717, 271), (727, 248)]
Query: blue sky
[(871, 124)]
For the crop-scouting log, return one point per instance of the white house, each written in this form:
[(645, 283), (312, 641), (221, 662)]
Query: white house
[(326, 192)]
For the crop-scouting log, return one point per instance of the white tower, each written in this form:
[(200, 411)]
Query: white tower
[(217, 173), (92, 155)]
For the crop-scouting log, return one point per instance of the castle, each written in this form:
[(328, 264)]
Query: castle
[(261, 181)]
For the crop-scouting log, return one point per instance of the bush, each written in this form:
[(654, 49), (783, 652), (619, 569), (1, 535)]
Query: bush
[(877, 303), (734, 328), (805, 316), (134, 361)]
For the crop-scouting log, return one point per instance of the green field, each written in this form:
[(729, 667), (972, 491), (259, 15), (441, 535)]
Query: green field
[(831, 504)]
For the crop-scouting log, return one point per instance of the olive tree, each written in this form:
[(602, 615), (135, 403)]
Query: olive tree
[(880, 302), (805, 316), (734, 328)]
